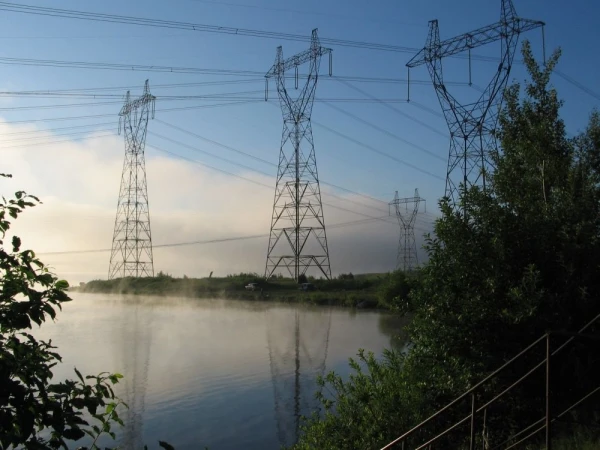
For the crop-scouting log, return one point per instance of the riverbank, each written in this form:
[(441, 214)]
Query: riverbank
[(355, 291)]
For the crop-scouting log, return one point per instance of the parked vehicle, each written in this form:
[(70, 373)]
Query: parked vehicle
[(251, 286), (307, 287)]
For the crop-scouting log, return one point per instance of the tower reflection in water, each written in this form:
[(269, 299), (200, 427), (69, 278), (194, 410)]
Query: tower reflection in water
[(297, 340), (135, 336)]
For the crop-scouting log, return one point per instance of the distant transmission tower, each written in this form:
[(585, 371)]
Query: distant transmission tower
[(407, 259), (297, 239), (131, 254), (472, 126)]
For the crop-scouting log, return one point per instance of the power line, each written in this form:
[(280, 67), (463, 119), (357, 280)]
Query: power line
[(95, 116), (140, 21), (386, 132), (52, 130), (173, 141), (577, 84), (397, 111), (373, 149), (427, 109), (98, 136), (230, 97), (126, 67), (82, 91), (218, 96), (219, 144), (130, 20), (73, 92), (316, 13), (264, 161), (208, 241), (235, 163), (32, 138), (380, 152), (258, 183)]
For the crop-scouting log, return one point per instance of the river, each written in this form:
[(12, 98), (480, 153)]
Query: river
[(223, 374)]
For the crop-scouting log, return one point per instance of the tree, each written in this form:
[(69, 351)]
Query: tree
[(36, 413), (508, 264), (394, 290)]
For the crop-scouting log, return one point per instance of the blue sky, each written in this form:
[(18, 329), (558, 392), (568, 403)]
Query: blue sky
[(256, 127)]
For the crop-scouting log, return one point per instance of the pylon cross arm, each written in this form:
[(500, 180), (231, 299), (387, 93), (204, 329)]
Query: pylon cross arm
[(473, 39), (296, 60)]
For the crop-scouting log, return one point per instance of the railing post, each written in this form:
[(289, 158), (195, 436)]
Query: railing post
[(548, 417), (473, 411), (484, 440)]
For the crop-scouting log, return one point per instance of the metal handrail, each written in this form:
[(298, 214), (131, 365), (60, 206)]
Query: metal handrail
[(574, 405), (464, 395), (546, 361)]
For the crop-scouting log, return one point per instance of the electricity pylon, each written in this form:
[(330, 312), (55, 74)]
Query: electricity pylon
[(131, 254), (407, 259), (297, 240), (472, 126)]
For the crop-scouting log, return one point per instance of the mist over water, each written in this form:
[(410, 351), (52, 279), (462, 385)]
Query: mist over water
[(216, 373)]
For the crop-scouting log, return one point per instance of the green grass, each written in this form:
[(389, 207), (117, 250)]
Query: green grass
[(343, 291)]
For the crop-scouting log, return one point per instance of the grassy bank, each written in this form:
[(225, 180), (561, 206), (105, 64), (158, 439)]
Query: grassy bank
[(346, 290)]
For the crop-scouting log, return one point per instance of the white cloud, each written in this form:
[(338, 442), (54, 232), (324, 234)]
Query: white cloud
[(78, 182)]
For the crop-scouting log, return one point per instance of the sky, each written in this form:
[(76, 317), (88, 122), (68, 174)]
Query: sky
[(200, 187)]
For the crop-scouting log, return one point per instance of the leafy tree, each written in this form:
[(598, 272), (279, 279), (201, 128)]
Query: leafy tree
[(505, 266), (36, 413)]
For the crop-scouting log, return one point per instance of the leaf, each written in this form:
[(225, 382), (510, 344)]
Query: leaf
[(165, 445), (78, 374), (78, 403), (59, 388), (16, 243), (61, 285), (73, 434)]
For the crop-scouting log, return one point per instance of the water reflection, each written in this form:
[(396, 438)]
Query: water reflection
[(134, 342), (223, 374), (394, 326), (297, 341)]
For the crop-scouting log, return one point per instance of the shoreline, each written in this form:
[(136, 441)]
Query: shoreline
[(344, 293), (341, 299)]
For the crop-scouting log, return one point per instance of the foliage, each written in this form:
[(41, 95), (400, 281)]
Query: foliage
[(31, 405), (394, 290), (353, 409), (506, 265), (35, 411), (346, 276), (302, 278)]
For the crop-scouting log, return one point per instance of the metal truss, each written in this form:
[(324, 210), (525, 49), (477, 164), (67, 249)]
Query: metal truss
[(297, 240), (131, 254), (407, 259), (472, 126)]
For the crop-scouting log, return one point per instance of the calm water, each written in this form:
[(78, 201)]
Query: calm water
[(224, 374)]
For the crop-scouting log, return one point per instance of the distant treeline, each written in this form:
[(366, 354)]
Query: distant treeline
[(384, 291)]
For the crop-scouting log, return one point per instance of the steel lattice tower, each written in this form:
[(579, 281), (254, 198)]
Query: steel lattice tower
[(407, 259), (131, 253), (472, 126), (298, 240)]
